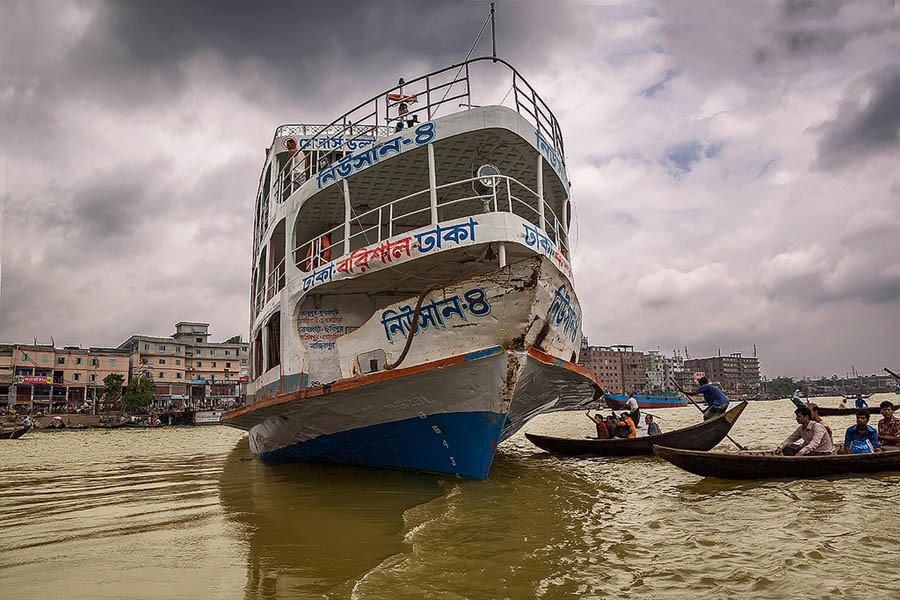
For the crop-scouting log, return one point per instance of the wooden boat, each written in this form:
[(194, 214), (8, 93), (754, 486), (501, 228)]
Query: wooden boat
[(853, 396), (827, 411), (767, 465), (701, 436), (13, 434)]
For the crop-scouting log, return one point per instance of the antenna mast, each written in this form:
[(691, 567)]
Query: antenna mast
[(493, 34)]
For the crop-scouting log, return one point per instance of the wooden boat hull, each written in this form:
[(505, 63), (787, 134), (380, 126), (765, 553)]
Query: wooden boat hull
[(763, 465), (13, 434), (828, 411), (702, 436)]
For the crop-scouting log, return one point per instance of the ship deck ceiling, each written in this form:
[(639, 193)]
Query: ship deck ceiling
[(411, 277), (456, 158)]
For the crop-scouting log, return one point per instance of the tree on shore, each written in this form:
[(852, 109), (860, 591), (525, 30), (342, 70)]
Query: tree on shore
[(138, 394), (782, 387), (112, 389)]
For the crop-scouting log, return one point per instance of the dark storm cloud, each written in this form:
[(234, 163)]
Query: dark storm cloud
[(863, 127), (805, 9), (312, 50)]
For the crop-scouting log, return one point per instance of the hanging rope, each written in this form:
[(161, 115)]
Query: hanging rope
[(414, 326)]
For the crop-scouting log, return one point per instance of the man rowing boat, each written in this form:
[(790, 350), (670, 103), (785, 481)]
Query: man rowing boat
[(716, 400)]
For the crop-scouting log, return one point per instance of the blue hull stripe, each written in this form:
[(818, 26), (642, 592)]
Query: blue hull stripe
[(456, 443)]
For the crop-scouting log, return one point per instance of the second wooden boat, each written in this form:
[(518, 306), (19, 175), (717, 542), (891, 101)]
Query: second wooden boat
[(13, 434), (767, 465), (701, 436), (828, 411)]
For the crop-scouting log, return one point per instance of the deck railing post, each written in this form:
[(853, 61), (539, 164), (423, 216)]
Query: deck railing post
[(540, 191), (432, 184), (391, 220), (346, 217)]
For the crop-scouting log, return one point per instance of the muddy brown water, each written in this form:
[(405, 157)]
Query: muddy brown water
[(187, 513)]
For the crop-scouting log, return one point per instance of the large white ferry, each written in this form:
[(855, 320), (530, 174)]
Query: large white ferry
[(412, 302)]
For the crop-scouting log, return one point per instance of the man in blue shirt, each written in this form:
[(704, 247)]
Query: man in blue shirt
[(860, 402), (716, 400), (861, 438)]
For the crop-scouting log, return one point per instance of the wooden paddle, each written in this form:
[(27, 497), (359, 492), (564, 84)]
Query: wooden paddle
[(688, 396), (886, 370)]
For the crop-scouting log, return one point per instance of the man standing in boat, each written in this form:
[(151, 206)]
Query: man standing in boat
[(816, 441), (797, 399), (634, 411), (889, 425), (716, 400)]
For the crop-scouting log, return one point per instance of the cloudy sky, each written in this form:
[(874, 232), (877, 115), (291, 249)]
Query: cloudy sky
[(735, 165)]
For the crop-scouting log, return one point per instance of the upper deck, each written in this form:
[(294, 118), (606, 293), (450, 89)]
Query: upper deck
[(418, 164)]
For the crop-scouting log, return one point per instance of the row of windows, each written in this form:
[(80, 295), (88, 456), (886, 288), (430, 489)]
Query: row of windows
[(61, 360), (162, 361), (197, 351)]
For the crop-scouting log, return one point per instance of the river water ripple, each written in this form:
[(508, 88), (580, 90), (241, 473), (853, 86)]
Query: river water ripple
[(186, 513)]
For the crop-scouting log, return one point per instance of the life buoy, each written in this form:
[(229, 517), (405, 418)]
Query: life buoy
[(402, 98), (321, 257)]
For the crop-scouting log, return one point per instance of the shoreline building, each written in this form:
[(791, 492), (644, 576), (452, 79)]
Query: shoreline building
[(624, 370), (734, 372), (188, 371), (621, 369)]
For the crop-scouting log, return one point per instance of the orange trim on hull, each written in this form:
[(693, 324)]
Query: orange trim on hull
[(350, 383), (549, 359)]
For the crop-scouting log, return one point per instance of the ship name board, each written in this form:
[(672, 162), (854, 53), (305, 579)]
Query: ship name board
[(545, 148), (433, 315), (563, 313), (360, 260), (353, 163)]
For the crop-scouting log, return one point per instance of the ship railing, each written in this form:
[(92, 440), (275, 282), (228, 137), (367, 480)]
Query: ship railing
[(276, 280), (467, 197), (447, 90)]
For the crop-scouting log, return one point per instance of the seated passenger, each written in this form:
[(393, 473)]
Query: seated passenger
[(889, 425), (652, 427), (816, 441), (600, 424), (613, 428), (625, 426), (861, 438), (814, 409)]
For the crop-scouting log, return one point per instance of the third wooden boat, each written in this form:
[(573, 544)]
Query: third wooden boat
[(767, 465)]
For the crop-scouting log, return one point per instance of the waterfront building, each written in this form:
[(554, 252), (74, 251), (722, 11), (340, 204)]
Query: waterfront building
[(188, 371), (733, 372), (42, 377), (621, 369)]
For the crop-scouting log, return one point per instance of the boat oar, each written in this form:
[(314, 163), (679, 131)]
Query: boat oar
[(688, 396), (886, 370)]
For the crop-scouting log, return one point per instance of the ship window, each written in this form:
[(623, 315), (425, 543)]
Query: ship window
[(257, 355), (273, 339)]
